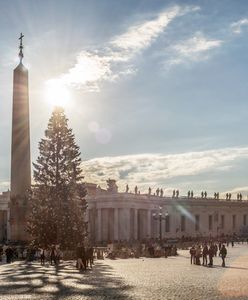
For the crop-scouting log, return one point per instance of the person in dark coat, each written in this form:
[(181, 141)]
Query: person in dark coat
[(211, 252), (205, 255), (9, 255), (223, 253), (42, 257), (53, 256)]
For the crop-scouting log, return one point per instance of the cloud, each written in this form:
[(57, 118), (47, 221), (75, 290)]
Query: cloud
[(236, 27), (142, 35), (114, 60), (155, 169), (102, 135), (196, 48)]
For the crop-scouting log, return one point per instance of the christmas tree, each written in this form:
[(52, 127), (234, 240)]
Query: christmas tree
[(57, 199)]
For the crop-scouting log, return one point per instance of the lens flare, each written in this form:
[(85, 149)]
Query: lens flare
[(57, 94)]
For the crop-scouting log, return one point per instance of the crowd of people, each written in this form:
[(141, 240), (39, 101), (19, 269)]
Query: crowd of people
[(202, 251), (11, 253), (85, 257), (207, 251)]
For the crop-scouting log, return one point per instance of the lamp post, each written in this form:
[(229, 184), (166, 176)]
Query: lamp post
[(159, 217)]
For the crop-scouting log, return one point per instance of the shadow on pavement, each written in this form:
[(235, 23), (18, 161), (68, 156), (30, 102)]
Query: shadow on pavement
[(63, 282)]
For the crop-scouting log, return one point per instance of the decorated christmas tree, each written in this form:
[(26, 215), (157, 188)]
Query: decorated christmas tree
[(57, 199)]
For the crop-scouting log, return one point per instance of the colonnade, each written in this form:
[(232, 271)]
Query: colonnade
[(114, 224)]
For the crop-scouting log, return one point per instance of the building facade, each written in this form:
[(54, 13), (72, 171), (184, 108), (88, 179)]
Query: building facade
[(4, 216), (123, 216), (127, 216)]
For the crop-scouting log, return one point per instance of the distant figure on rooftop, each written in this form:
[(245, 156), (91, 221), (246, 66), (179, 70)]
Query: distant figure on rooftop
[(205, 194), (173, 194), (177, 193), (161, 192), (157, 191), (136, 190), (188, 194), (149, 191), (192, 194), (127, 188)]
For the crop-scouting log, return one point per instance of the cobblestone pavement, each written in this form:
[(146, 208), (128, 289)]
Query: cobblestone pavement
[(158, 278)]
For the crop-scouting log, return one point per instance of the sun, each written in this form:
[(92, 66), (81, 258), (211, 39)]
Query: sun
[(57, 94)]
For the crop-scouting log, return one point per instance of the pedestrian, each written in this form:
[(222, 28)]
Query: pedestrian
[(84, 258), (198, 255), (53, 256), (215, 250), (232, 243), (205, 255), (90, 256), (223, 253), (79, 255), (42, 257), (9, 255), (211, 255), (220, 245), (192, 254)]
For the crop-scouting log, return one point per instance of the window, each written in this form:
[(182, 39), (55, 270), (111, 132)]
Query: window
[(197, 222), (244, 220), (234, 221), (167, 224), (210, 222), (222, 222), (183, 227)]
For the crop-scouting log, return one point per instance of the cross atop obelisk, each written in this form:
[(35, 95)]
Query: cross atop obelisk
[(21, 47)]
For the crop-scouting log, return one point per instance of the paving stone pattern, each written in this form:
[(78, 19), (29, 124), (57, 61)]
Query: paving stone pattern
[(143, 278)]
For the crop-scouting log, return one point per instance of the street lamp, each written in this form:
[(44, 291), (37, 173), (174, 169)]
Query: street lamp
[(159, 217)]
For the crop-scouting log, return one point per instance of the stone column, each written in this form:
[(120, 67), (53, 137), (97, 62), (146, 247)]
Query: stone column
[(116, 224), (135, 224), (128, 221), (8, 225), (163, 228), (99, 224), (149, 223)]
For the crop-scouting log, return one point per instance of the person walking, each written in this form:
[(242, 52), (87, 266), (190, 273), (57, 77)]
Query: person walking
[(42, 257), (205, 255), (53, 256), (192, 252), (9, 254), (223, 253), (79, 255), (211, 255)]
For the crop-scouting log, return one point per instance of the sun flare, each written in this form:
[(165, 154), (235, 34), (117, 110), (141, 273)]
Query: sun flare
[(57, 94)]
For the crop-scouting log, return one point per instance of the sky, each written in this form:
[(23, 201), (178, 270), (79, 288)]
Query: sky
[(155, 91)]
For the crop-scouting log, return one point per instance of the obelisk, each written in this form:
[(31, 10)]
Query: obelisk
[(20, 151)]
